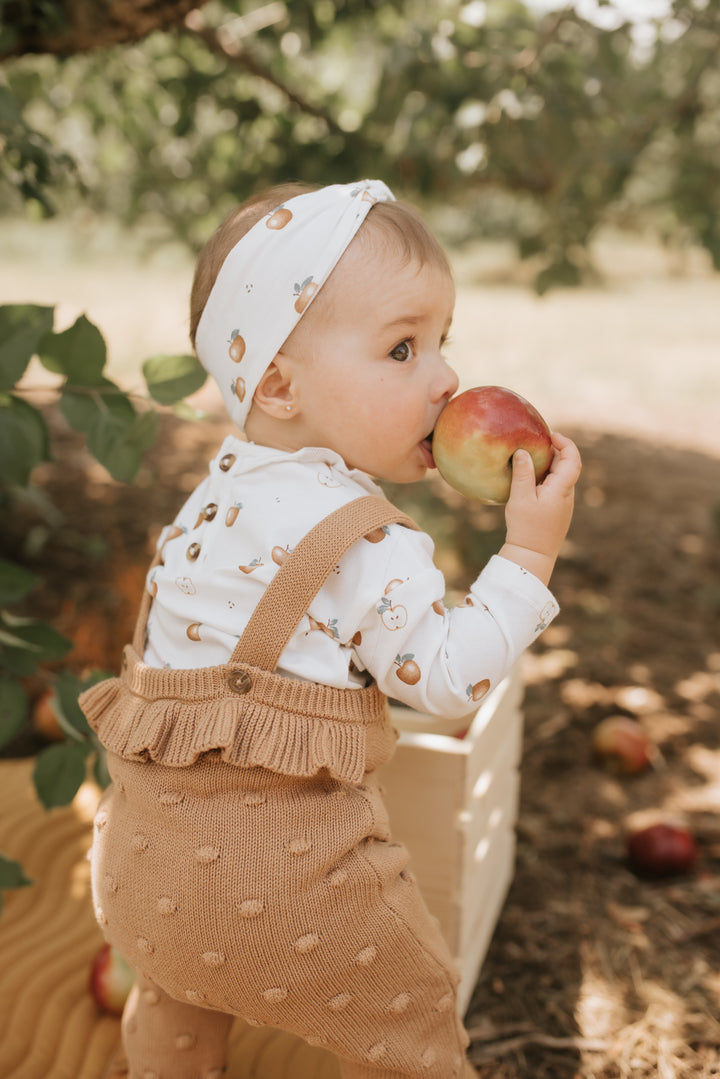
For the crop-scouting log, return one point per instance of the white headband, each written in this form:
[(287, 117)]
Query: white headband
[(269, 279)]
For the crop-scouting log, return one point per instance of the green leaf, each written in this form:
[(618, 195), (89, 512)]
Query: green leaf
[(171, 378), (120, 446), (59, 772), (21, 327), (24, 440), (24, 643), (78, 353), (101, 774), (185, 411), (15, 582), (70, 715), (13, 709), (85, 408), (12, 874), (95, 676)]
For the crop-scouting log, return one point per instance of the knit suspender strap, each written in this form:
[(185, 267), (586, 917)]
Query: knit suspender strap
[(303, 573), (138, 641)]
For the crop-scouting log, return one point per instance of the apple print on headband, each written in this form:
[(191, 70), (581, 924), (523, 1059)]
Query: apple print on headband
[(237, 347), (304, 293), (279, 218)]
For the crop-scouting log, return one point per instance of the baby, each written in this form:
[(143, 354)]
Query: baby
[(243, 861)]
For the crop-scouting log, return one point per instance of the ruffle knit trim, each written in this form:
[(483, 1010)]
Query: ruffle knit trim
[(291, 727)]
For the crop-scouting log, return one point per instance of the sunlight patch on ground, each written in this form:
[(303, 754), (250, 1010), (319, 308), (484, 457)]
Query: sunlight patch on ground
[(600, 1011), (704, 798)]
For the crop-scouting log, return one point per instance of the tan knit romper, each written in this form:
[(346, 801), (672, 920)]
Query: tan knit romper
[(242, 859)]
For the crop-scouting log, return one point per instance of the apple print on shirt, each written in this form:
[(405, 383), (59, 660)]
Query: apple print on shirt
[(546, 615), (251, 566), (330, 629), (407, 669), (392, 617), (478, 691), (185, 585), (326, 479), (232, 514)]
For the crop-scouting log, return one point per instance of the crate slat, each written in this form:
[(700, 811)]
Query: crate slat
[(453, 802)]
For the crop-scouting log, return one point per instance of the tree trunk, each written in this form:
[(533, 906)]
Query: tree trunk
[(64, 27)]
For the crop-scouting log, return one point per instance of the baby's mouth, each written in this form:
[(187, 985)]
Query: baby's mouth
[(427, 447)]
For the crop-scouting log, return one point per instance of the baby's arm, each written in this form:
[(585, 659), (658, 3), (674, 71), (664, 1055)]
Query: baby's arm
[(450, 653), (538, 517)]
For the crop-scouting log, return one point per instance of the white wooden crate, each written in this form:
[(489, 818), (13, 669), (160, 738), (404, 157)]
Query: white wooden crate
[(453, 802)]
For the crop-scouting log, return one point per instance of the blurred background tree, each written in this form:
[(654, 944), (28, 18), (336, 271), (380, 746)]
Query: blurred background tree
[(505, 120)]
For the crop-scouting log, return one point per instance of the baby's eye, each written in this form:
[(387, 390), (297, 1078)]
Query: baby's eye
[(402, 352)]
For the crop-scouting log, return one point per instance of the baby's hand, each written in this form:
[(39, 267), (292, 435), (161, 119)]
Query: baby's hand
[(538, 517)]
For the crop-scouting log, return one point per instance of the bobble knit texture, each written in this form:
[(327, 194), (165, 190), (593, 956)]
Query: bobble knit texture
[(243, 862)]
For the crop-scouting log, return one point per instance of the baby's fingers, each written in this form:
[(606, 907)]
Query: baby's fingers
[(566, 464), (523, 475)]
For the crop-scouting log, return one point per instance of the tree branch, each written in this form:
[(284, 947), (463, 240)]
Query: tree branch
[(66, 27), (224, 43)]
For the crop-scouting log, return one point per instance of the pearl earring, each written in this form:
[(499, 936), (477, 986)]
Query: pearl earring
[(288, 407)]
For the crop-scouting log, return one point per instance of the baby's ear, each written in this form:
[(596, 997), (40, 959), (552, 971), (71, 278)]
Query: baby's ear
[(274, 393)]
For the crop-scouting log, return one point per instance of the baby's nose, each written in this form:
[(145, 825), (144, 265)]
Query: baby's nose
[(447, 382)]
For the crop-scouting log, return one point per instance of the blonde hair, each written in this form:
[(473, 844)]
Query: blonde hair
[(398, 224)]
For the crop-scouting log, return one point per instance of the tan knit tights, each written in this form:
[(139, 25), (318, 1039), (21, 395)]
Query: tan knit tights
[(166, 1039)]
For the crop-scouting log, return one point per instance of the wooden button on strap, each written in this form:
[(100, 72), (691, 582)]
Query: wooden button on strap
[(239, 682)]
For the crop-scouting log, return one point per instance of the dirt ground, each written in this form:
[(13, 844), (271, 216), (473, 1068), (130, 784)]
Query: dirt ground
[(592, 972)]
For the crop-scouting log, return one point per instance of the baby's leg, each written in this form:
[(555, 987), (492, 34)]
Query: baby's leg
[(167, 1039)]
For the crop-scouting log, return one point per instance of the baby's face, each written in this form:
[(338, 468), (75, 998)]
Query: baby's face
[(370, 377)]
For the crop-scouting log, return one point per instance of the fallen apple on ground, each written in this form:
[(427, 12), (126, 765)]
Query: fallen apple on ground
[(476, 436), (622, 746), (661, 850), (111, 979)]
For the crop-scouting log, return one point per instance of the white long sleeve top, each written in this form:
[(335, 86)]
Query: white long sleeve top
[(381, 612)]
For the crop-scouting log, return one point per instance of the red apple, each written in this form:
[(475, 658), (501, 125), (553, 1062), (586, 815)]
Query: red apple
[(111, 979), (478, 433), (622, 745), (661, 850)]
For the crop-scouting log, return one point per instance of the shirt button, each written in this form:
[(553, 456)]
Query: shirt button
[(227, 462), (193, 552), (209, 511), (239, 682)]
